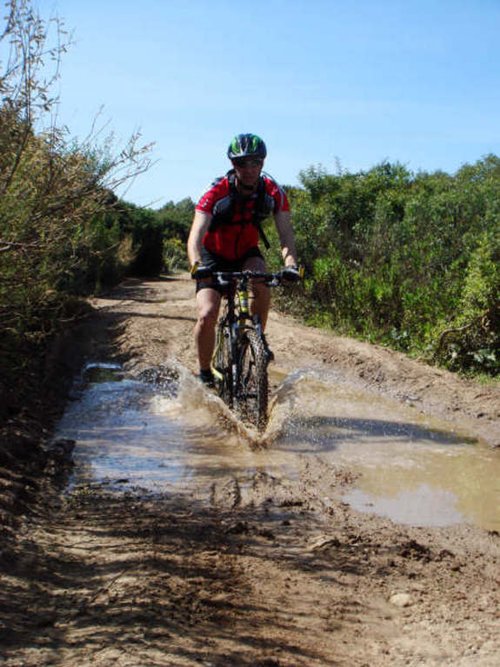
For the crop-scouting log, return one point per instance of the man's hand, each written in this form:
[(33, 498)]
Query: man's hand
[(291, 274), (199, 272)]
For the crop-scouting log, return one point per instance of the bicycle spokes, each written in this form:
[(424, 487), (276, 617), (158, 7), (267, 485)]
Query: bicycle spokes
[(252, 389)]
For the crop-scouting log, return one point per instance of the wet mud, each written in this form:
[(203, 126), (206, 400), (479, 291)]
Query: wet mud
[(360, 529), (163, 432)]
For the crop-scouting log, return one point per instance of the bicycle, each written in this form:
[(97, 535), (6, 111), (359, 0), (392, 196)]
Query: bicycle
[(241, 355)]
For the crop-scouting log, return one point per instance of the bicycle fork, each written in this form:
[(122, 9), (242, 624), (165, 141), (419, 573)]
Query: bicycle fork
[(256, 321), (216, 372)]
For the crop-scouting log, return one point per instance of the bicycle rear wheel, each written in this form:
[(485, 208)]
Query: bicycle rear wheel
[(222, 365), (252, 392)]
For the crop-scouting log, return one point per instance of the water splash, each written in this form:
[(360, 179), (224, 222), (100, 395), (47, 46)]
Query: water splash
[(164, 431)]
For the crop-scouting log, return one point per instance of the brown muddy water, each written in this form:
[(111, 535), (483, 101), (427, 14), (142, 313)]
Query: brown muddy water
[(165, 433)]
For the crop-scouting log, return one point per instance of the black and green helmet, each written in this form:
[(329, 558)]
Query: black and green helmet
[(246, 145)]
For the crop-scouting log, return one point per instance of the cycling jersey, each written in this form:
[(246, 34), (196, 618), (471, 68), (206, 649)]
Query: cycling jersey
[(234, 228)]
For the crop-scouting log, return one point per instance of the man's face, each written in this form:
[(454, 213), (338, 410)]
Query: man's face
[(248, 171)]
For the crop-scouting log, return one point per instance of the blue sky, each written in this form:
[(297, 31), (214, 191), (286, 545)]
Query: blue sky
[(358, 81)]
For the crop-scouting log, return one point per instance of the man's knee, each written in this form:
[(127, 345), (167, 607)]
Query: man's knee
[(255, 264), (208, 302), (207, 319), (260, 291), (207, 314)]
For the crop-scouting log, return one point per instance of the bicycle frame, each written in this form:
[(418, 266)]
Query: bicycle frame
[(238, 330), (237, 309)]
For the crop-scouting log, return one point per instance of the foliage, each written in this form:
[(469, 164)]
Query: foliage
[(473, 341), (58, 227), (174, 255), (408, 260), (176, 220)]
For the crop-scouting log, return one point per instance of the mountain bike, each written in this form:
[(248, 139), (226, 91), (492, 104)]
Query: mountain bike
[(241, 355)]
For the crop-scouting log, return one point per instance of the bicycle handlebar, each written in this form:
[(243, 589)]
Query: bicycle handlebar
[(224, 278)]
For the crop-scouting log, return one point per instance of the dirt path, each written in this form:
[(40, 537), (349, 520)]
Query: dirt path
[(274, 577)]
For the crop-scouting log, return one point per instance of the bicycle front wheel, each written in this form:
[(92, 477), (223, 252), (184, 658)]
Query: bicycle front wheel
[(222, 365), (252, 390)]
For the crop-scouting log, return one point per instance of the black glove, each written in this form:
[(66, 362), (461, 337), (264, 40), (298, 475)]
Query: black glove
[(291, 274), (199, 272)]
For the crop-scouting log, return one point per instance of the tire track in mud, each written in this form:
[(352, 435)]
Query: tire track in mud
[(270, 572), (277, 573), (148, 579)]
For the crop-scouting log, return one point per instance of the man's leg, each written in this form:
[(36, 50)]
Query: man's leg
[(261, 293), (208, 302)]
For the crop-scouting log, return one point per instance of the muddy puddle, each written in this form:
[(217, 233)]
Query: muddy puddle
[(165, 433)]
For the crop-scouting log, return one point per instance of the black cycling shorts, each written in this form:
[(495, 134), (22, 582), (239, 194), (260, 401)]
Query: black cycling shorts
[(217, 263)]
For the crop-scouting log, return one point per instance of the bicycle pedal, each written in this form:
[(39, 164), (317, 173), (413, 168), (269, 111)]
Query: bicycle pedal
[(207, 379)]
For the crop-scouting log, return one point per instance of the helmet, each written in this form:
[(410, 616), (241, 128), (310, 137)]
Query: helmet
[(246, 145)]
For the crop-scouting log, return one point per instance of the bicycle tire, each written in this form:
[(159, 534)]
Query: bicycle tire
[(223, 364), (252, 391)]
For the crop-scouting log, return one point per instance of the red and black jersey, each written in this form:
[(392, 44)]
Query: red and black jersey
[(234, 227)]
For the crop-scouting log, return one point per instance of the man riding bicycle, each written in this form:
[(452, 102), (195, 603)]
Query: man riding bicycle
[(224, 236)]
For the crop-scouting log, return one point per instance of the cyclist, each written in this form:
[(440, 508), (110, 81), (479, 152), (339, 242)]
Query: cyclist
[(225, 233)]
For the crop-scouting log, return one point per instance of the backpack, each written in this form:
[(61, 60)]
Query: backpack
[(264, 206)]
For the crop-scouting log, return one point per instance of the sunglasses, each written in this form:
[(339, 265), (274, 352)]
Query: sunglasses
[(248, 162)]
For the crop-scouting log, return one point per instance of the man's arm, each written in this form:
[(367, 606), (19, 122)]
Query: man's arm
[(199, 227), (285, 232)]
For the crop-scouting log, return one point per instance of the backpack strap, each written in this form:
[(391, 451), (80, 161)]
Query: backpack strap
[(259, 210)]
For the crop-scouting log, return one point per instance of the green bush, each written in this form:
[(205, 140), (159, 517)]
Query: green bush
[(174, 255), (472, 341), (399, 258)]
